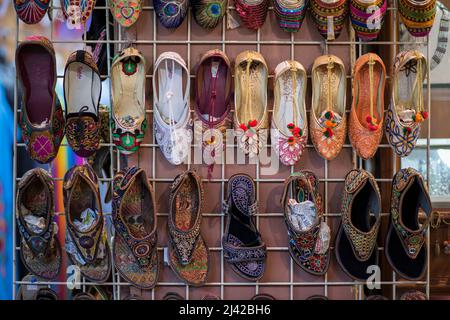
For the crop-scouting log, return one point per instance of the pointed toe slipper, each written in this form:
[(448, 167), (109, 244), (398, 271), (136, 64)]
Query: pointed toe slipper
[(289, 122), (243, 247), (40, 248), (406, 111), (209, 13), (82, 92), (134, 215), (125, 12), (86, 241), (41, 120), (171, 113), (31, 11), (309, 235), (188, 252), (171, 13), (253, 13), (405, 245), (356, 241), (77, 12), (290, 13), (328, 119), (129, 121), (367, 112)]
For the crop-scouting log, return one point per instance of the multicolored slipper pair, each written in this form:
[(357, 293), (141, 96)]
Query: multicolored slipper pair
[(329, 17), (188, 253), (135, 221), (290, 13), (309, 235), (128, 123)]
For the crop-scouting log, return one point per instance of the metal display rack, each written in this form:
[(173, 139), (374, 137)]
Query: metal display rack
[(117, 284)]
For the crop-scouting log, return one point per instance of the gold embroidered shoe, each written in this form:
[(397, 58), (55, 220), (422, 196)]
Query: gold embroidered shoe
[(134, 216), (251, 119), (328, 119), (356, 241), (367, 113), (40, 248), (86, 243), (405, 245), (406, 111), (188, 252), (289, 122)]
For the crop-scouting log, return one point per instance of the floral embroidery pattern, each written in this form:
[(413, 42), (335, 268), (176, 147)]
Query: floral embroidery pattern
[(250, 140)]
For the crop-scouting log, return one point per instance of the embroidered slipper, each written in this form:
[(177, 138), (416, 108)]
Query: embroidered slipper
[(328, 119), (243, 247), (406, 111), (356, 241), (309, 235), (77, 12), (405, 245), (289, 121), (290, 13), (46, 294), (251, 117), (125, 12), (27, 291), (134, 215), (329, 16), (41, 120), (31, 11), (86, 243), (209, 13), (366, 115), (253, 13), (82, 92), (97, 32), (129, 121), (367, 18), (417, 16), (213, 89), (413, 295), (40, 249), (171, 113), (188, 252), (171, 13)]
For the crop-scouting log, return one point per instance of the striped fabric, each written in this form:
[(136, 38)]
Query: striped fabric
[(418, 16), (367, 18), (329, 17), (290, 13)]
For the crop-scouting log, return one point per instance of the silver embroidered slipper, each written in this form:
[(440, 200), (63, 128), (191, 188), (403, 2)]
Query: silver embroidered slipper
[(171, 113)]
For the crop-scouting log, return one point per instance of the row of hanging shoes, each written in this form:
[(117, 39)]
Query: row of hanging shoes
[(329, 16), (44, 124)]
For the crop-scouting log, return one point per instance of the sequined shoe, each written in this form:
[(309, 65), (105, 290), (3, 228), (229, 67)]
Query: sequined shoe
[(134, 216), (86, 243), (289, 122), (253, 13), (405, 245), (41, 120), (31, 11), (125, 12), (417, 16), (251, 119), (171, 13), (366, 115), (329, 17), (356, 242), (128, 123), (367, 18), (406, 111), (213, 90), (328, 120), (243, 247), (40, 249), (290, 13), (309, 235), (82, 92), (209, 13), (188, 252), (171, 114)]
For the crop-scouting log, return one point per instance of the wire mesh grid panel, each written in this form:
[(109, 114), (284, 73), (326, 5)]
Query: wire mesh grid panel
[(282, 278)]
